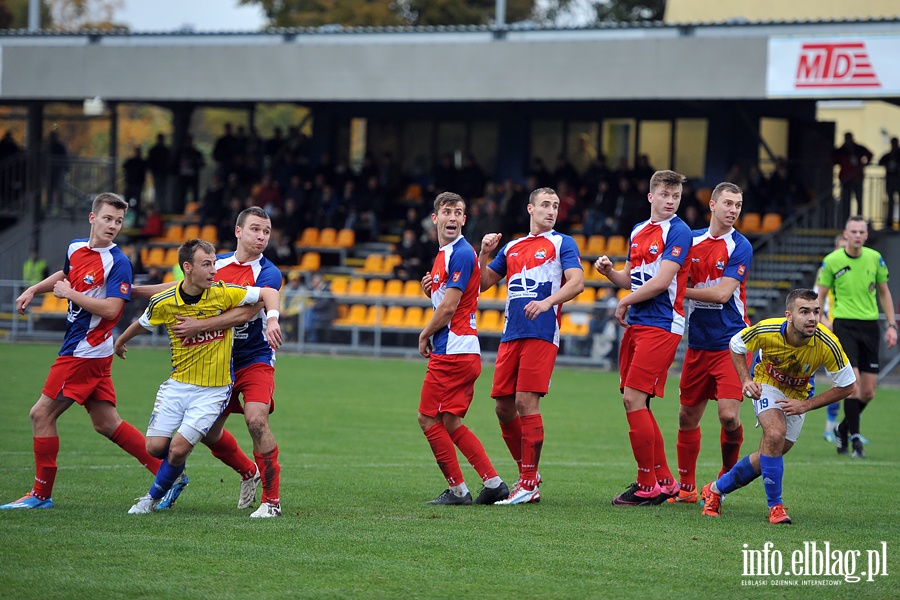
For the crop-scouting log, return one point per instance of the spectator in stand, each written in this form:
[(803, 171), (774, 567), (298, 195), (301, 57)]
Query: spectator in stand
[(542, 175), (390, 177), (568, 206), (689, 198), (281, 250), (268, 195), (321, 311), (471, 178), (10, 177), (412, 257), (891, 164), (8, 147), (190, 162), (331, 212), (643, 171), (59, 167), (159, 161), (445, 175), (213, 201), (293, 303), (756, 195), (631, 206), (153, 224), (852, 159), (289, 221), (786, 192), (585, 156), (564, 171), (224, 151), (371, 203), (599, 214), (413, 221), (228, 218), (135, 169)]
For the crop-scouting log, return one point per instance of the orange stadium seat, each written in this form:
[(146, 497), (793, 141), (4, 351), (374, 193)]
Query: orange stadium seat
[(374, 316), (394, 287), (581, 242), (375, 287), (616, 245), (489, 295), (413, 317), (750, 223), (413, 288), (309, 237), (175, 233), (770, 222), (588, 296), (210, 234), (339, 285), (374, 263), (596, 245), (394, 317), (156, 258), (355, 316), (171, 258), (191, 232), (491, 321), (311, 261), (346, 238), (357, 287), (328, 237)]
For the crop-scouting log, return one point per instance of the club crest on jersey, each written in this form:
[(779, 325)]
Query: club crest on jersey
[(720, 264), (541, 254), (89, 278), (123, 288), (654, 248), (437, 278), (741, 270), (455, 277), (676, 251)]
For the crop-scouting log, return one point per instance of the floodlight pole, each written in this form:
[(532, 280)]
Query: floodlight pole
[(34, 15), (499, 13)]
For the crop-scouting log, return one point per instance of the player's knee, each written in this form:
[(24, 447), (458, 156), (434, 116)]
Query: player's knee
[(157, 448), (506, 411), (730, 422), (257, 425), (688, 419)]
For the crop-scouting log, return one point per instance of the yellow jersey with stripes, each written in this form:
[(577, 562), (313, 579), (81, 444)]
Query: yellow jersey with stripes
[(204, 359), (790, 368)]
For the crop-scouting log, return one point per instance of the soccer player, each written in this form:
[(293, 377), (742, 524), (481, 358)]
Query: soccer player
[(833, 409), (717, 309), (791, 349), (254, 367), (856, 275), (542, 270), (96, 282), (450, 343), (656, 274), (199, 385)]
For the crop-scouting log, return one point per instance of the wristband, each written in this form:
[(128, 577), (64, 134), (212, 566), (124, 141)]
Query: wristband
[(272, 314), (892, 326)]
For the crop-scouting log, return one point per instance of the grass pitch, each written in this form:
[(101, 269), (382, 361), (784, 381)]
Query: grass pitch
[(357, 470)]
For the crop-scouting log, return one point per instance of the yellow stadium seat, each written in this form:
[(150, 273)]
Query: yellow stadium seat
[(374, 316), (339, 285), (355, 316), (175, 233), (191, 232), (588, 296), (581, 242), (210, 234), (750, 223), (488, 295), (770, 222), (171, 258), (413, 288), (622, 293), (391, 261), (375, 287), (577, 326), (374, 264), (616, 245), (501, 292), (311, 261), (394, 287), (346, 238), (491, 321), (357, 287), (704, 195), (328, 237), (596, 245), (169, 277), (156, 258), (394, 317), (309, 237), (413, 317), (589, 271)]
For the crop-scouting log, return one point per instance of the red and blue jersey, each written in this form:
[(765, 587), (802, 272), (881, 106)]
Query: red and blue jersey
[(534, 267), (456, 266), (250, 345), (712, 325), (98, 273), (651, 244)]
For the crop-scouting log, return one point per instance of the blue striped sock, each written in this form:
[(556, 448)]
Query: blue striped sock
[(772, 473)]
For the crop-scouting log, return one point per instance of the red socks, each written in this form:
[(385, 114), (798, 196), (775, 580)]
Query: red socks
[(228, 451), (45, 451), (660, 464), (469, 444), (688, 450), (444, 452), (731, 447), (270, 472), (512, 435), (643, 434), (532, 442), (132, 441)]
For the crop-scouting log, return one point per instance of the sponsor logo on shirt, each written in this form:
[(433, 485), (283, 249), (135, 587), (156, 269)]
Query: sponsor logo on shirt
[(201, 339), (520, 286), (788, 380)]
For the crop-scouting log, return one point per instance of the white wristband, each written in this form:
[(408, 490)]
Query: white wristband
[(272, 314)]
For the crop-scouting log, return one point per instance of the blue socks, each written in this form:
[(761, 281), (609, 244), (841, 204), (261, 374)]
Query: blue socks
[(833, 410), (165, 477), (740, 475), (772, 468)]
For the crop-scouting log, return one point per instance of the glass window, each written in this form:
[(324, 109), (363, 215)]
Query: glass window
[(358, 136), (690, 147), (582, 144), (451, 138), (618, 141), (655, 140), (774, 132), (546, 140), (485, 139)]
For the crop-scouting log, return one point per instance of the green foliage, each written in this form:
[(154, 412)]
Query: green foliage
[(628, 11), (357, 469)]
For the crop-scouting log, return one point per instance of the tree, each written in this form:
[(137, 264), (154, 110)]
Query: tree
[(14, 14), (626, 11), (75, 15)]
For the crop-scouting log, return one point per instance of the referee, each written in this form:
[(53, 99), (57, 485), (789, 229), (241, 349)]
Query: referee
[(857, 274)]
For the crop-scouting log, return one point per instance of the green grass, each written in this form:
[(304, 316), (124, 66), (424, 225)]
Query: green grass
[(357, 469)]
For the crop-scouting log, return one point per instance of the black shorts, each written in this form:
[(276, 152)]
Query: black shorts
[(861, 341)]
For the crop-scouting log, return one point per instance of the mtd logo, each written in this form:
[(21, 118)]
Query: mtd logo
[(830, 65)]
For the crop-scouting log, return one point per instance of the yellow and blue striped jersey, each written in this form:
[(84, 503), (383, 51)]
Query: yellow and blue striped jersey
[(204, 359), (790, 368)]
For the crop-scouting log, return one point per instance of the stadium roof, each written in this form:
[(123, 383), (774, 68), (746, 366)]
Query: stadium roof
[(520, 62)]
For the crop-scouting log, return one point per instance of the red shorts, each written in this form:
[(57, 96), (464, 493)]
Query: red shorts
[(645, 357), (449, 384), (524, 366), (257, 383), (81, 379), (708, 375)]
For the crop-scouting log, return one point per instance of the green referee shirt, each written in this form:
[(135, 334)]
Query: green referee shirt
[(854, 283)]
